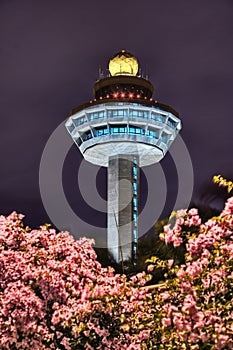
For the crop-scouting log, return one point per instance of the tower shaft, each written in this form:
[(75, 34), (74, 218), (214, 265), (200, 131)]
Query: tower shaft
[(123, 207)]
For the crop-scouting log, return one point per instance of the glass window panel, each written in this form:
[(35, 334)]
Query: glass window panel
[(158, 117), (165, 138), (101, 132), (80, 121), (101, 115), (134, 114), (172, 123), (71, 127), (87, 136), (114, 130), (79, 141), (151, 133)]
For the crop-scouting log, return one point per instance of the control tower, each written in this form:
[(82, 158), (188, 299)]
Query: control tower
[(123, 128)]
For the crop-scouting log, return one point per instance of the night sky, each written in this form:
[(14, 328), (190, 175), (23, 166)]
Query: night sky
[(50, 52)]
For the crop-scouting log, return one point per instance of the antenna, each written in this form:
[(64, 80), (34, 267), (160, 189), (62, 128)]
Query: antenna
[(101, 74), (147, 75)]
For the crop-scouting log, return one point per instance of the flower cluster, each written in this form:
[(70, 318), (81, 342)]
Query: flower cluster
[(186, 220), (54, 294), (194, 309)]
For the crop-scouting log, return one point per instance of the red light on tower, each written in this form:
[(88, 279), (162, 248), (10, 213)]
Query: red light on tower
[(130, 95), (138, 96), (115, 95), (123, 95)]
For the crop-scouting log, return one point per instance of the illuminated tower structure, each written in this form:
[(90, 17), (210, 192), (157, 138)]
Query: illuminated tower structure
[(123, 129)]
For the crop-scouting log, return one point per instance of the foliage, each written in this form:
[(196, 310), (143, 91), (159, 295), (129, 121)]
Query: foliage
[(55, 295), (194, 306), (218, 179)]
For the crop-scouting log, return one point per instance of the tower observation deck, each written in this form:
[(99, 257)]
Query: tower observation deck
[(123, 128)]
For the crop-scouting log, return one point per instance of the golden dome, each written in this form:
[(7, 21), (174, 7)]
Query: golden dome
[(123, 63)]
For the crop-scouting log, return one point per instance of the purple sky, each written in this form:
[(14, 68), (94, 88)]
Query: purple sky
[(49, 57)]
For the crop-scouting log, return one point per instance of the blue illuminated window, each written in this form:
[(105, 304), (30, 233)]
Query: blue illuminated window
[(158, 117), (114, 130), (151, 133), (101, 132), (132, 130), (87, 136), (97, 115), (138, 114), (171, 123), (119, 130), (118, 113), (137, 131), (80, 121)]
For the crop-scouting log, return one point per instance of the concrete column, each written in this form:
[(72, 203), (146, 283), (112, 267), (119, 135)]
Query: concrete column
[(123, 203)]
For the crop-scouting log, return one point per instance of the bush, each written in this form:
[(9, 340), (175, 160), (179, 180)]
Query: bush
[(54, 294), (193, 309)]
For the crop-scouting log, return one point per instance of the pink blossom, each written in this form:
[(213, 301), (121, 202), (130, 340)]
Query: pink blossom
[(54, 291)]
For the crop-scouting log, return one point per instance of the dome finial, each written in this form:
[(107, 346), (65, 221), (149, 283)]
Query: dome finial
[(123, 63)]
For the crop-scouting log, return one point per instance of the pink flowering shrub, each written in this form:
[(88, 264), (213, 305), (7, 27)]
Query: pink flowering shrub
[(55, 295), (194, 307)]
